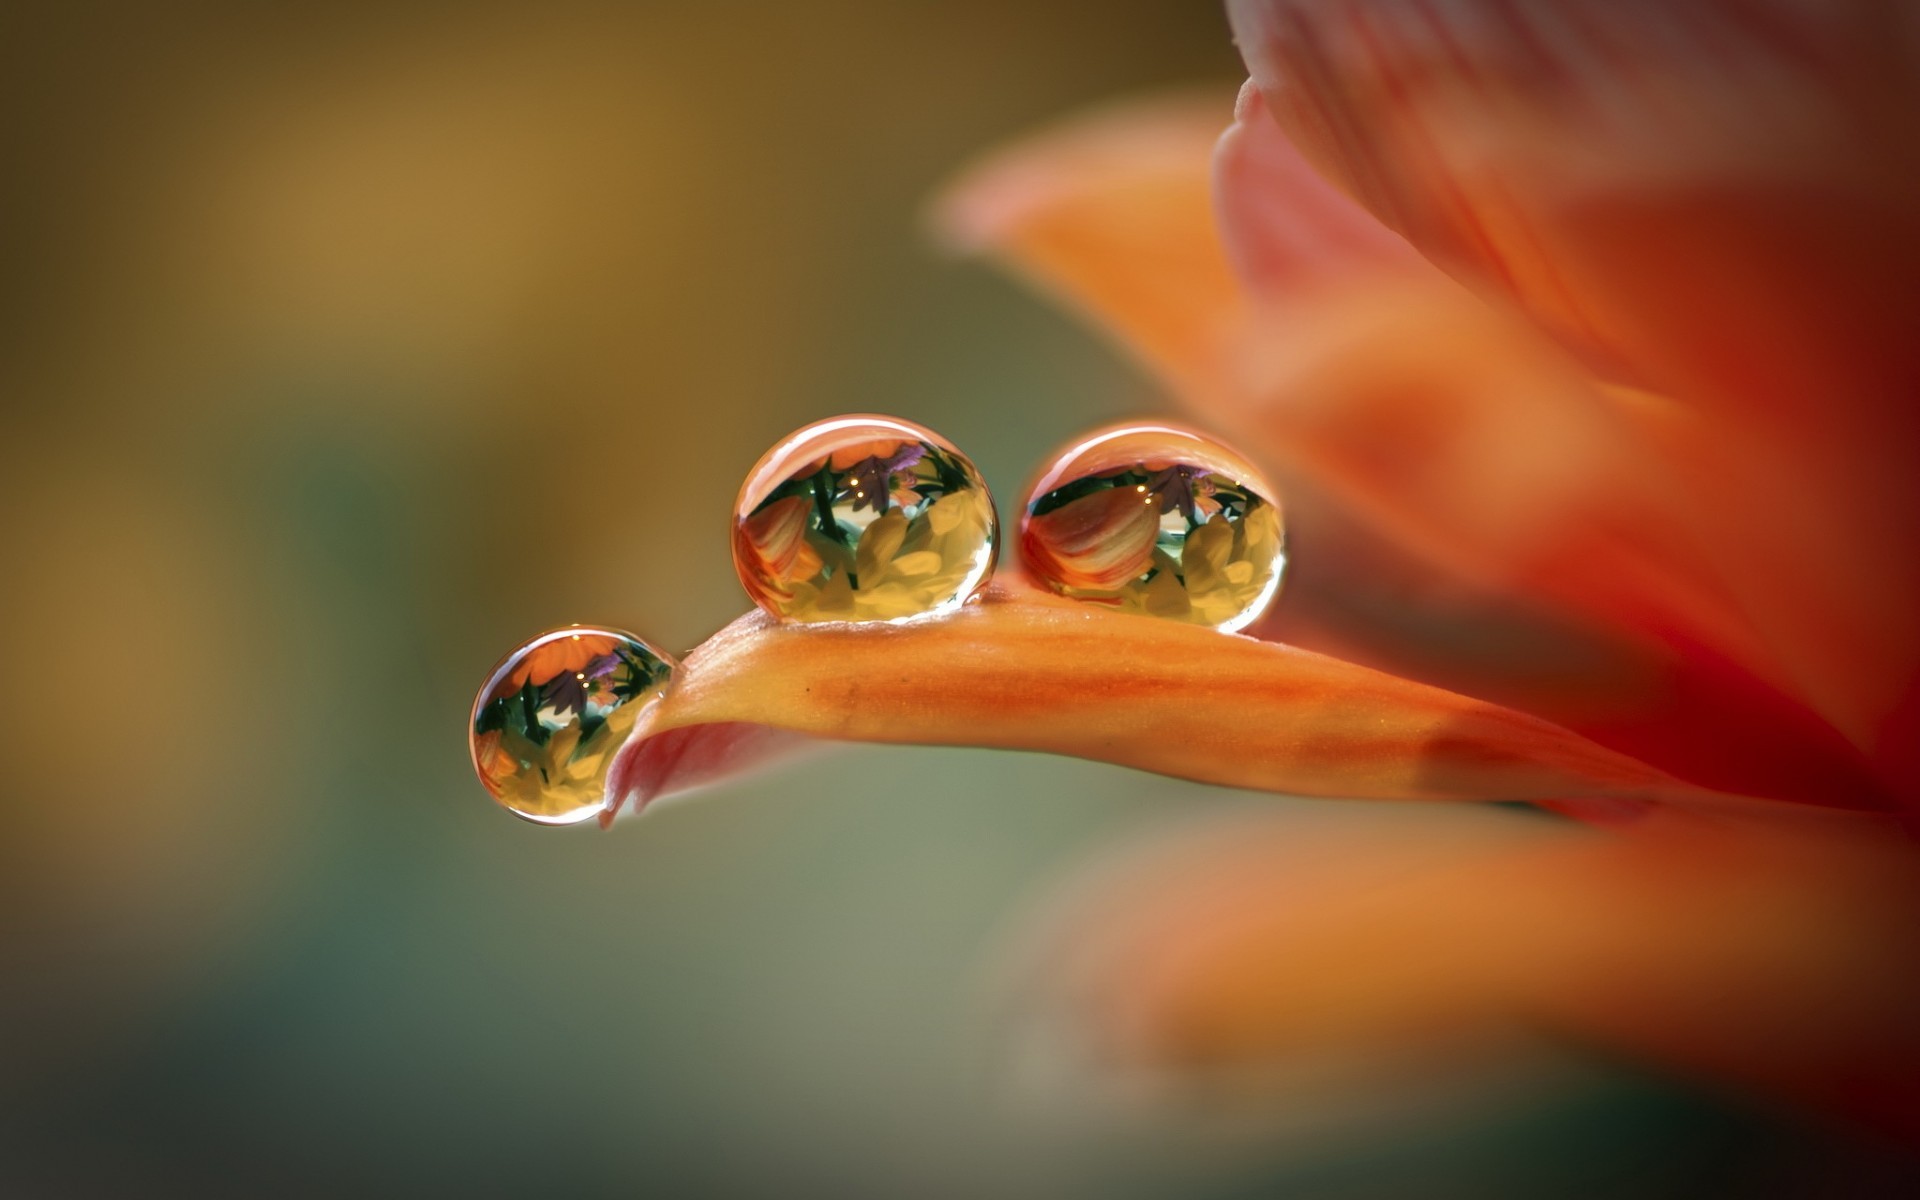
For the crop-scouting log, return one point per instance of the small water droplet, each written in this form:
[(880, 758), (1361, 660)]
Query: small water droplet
[(863, 518), (551, 715), (1208, 545)]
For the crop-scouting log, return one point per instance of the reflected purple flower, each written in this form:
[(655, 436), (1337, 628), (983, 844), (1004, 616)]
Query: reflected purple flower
[(1173, 487), (871, 479)]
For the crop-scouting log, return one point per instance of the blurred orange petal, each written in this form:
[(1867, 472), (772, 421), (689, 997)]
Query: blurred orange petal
[(1478, 448), (1766, 952), (1444, 423), (1023, 671), (1107, 212), (1717, 200), (1451, 426)]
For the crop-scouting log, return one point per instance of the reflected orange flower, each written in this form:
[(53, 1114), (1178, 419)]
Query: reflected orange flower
[(1099, 541), (561, 656), (777, 537), (494, 762), (848, 457)]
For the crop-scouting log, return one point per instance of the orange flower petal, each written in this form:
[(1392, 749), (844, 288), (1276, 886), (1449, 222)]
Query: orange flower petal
[(1703, 197), (1441, 420), (1024, 671), (1458, 435), (1767, 953), (1107, 211)]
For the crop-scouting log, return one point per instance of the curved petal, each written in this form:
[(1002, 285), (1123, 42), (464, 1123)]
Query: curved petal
[(1024, 671), (1771, 955), (1718, 199)]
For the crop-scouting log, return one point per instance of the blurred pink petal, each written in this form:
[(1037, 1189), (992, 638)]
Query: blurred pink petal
[(1287, 230)]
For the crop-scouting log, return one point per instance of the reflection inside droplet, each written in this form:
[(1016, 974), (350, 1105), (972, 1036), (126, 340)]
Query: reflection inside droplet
[(551, 715), (863, 518), (1156, 519)]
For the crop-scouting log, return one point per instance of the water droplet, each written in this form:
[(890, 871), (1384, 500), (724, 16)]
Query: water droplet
[(550, 716), (863, 518), (1156, 519)]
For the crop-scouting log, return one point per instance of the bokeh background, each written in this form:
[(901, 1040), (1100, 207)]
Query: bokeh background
[(343, 345)]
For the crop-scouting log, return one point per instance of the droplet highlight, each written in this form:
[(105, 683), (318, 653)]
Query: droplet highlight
[(863, 518), (551, 715), (1159, 520)]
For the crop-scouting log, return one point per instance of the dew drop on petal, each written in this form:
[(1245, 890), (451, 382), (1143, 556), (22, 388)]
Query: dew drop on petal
[(551, 715), (863, 518), (1156, 519)]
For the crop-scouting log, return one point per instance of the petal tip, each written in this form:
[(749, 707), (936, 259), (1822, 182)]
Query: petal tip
[(1250, 104), (675, 761), (1009, 184)]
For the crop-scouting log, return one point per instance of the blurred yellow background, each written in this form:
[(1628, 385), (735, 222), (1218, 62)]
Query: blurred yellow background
[(341, 346)]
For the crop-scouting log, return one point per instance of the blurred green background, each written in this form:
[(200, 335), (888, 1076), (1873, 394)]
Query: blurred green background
[(341, 346)]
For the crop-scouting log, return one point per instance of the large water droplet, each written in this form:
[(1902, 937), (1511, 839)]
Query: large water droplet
[(550, 716), (1156, 519), (863, 518)]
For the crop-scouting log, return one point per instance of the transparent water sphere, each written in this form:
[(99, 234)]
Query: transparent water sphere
[(863, 518), (550, 716), (1156, 519)]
